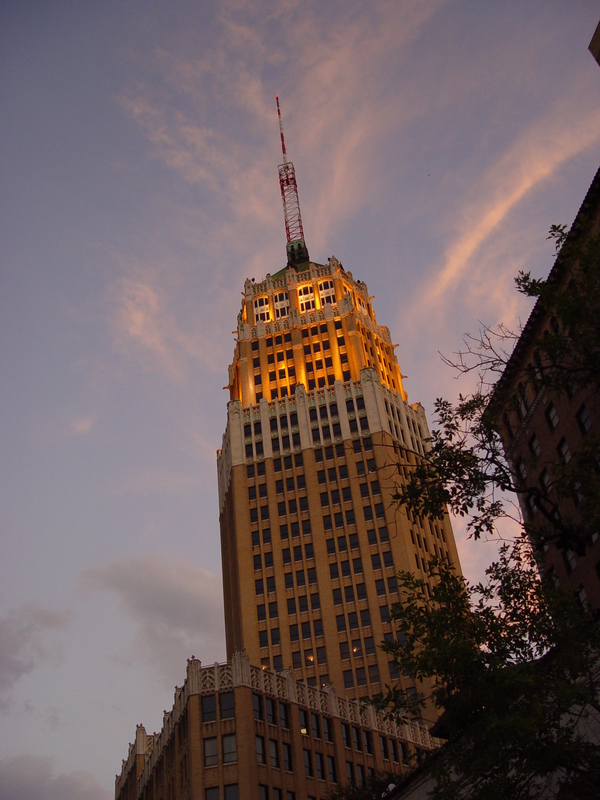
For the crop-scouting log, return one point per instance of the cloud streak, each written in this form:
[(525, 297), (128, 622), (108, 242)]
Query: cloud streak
[(24, 642), (177, 609), (534, 158), (31, 776)]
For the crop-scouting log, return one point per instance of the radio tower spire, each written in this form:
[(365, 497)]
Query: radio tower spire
[(297, 252)]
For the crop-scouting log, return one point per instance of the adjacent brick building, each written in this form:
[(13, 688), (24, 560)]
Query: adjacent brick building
[(543, 428)]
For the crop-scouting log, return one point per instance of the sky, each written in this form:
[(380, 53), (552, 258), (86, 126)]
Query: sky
[(435, 142)]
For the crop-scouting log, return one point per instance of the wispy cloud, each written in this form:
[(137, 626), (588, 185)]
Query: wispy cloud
[(177, 608), (83, 425), (25, 640), (534, 158), (31, 776)]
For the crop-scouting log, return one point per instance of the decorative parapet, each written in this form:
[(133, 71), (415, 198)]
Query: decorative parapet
[(281, 685)]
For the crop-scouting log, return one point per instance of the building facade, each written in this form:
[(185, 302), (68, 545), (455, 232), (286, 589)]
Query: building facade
[(319, 434), (238, 731), (543, 429)]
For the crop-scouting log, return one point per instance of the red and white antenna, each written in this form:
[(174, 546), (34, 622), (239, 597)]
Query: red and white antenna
[(296, 246)]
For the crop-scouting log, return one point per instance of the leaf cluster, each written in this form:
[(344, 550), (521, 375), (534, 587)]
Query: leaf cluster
[(512, 661), (465, 468)]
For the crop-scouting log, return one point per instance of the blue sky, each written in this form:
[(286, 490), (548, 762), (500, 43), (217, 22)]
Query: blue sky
[(434, 143)]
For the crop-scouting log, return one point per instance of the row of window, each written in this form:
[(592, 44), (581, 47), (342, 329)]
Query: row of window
[(266, 559), (306, 301)]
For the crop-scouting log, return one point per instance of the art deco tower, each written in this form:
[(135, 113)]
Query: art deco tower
[(319, 432)]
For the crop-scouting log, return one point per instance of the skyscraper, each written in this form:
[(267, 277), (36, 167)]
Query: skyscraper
[(319, 433)]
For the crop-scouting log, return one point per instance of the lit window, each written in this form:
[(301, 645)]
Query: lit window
[(362, 305), (281, 301), (261, 309), (327, 293), (306, 298)]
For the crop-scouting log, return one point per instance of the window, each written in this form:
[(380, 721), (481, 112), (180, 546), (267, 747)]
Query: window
[(286, 751), (257, 706), (212, 793), (261, 309), (229, 750), (331, 769), (263, 638), (327, 293), (384, 747), (341, 622), (284, 715), (552, 416), (316, 728), (281, 301), (308, 766), (232, 792), (584, 420), (534, 446), (563, 451), (271, 711), (209, 708), (260, 750), (306, 298), (227, 705), (211, 756), (274, 753)]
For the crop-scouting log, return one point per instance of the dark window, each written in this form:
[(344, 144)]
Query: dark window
[(584, 420), (209, 708), (261, 611), (294, 633), (211, 755), (227, 705)]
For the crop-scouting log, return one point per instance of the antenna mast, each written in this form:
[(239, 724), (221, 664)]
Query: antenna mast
[(297, 252)]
